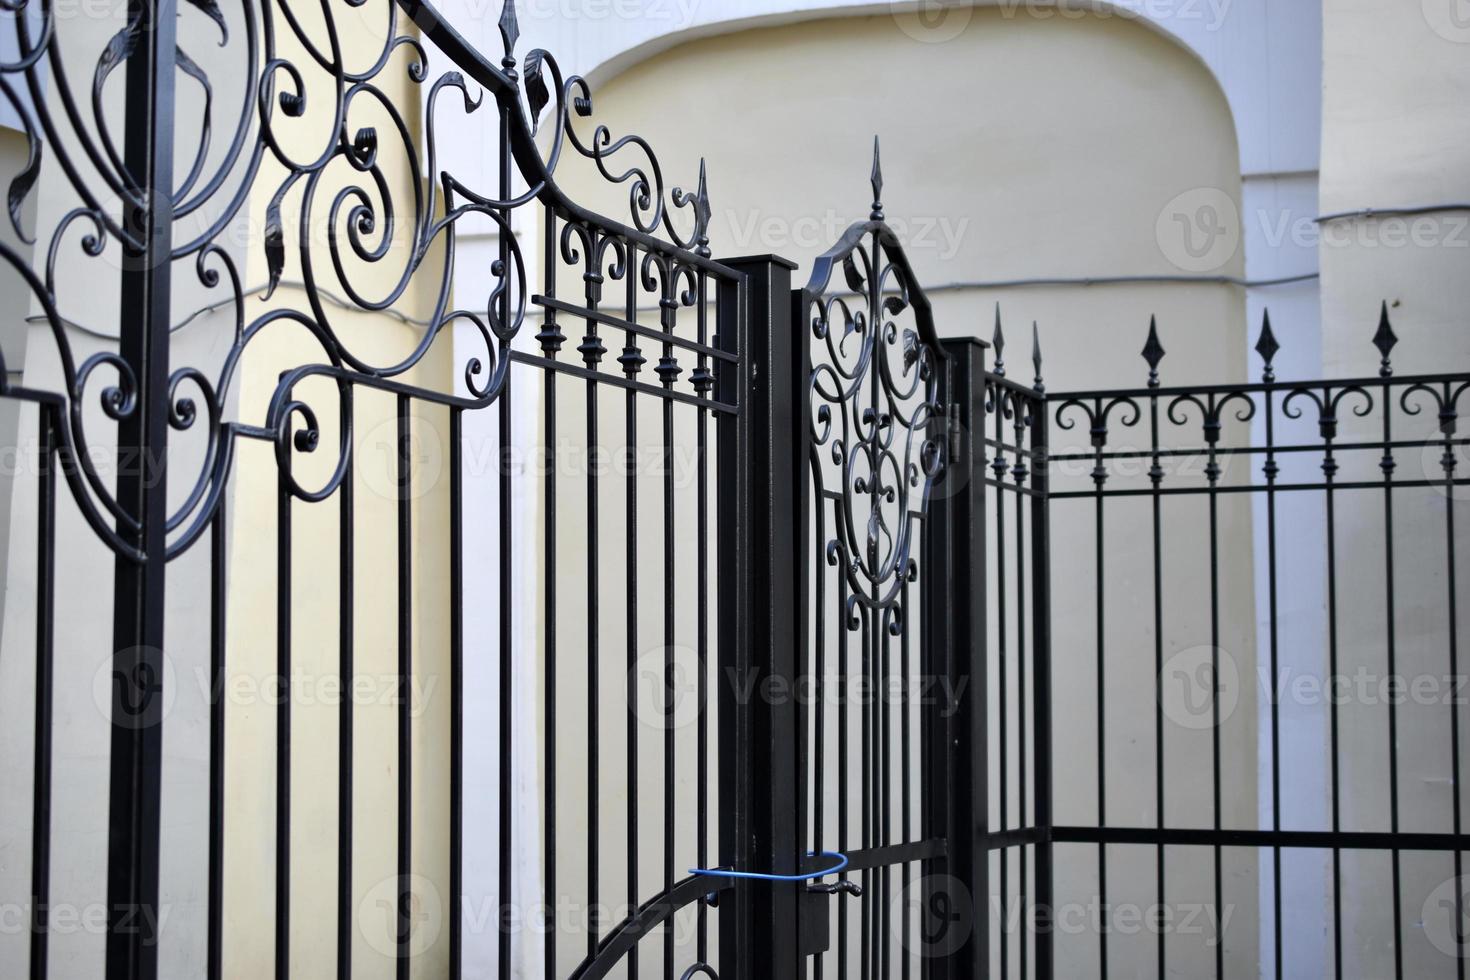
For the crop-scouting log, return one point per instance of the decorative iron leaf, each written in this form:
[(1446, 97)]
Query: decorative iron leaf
[(118, 50), (537, 93), (275, 246), (895, 304), (365, 147), (853, 276), (910, 349), (189, 67), (212, 11), (21, 186)]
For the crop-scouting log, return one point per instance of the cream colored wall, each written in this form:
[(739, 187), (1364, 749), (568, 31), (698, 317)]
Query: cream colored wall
[(1024, 147), (88, 289), (1397, 77)]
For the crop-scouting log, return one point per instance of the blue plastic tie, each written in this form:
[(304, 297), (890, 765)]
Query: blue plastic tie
[(841, 865)]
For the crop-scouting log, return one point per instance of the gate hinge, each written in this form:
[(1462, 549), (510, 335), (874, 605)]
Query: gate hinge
[(955, 432)]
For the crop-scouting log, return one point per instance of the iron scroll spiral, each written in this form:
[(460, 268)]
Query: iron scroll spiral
[(305, 123)]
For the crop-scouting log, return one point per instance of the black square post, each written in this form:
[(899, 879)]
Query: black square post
[(762, 467), (957, 755)]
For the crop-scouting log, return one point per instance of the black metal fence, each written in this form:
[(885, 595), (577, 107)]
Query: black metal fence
[(857, 582), (1223, 544)]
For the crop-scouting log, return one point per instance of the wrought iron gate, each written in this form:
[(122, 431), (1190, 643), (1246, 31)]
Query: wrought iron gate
[(855, 582), (284, 525)]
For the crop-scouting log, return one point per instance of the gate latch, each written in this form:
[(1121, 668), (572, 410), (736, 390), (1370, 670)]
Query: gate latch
[(812, 903)]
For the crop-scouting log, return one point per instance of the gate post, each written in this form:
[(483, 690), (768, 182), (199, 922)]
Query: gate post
[(138, 612), (957, 769), (1044, 917), (762, 622)]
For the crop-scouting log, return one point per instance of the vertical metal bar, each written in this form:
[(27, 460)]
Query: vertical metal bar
[(136, 759), (904, 747), (218, 557), (592, 350), (1448, 462), (506, 571), (505, 887), (762, 521), (1212, 471), (1271, 470), (1099, 476), (957, 772), (549, 665), (1041, 683), (283, 725), (1329, 471), (819, 655), (667, 372), (456, 703), (347, 673), (1156, 479), (1387, 465), (45, 635), (844, 661), (703, 381), (998, 467), (632, 360), (1018, 471), (405, 686)]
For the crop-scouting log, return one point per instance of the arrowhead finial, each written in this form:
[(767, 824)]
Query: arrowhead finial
[(1036, 356), (510, 31), (1267, 347), (1153, 352), (998, 341), (877, 180), (1384, 340), (702, 214)]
